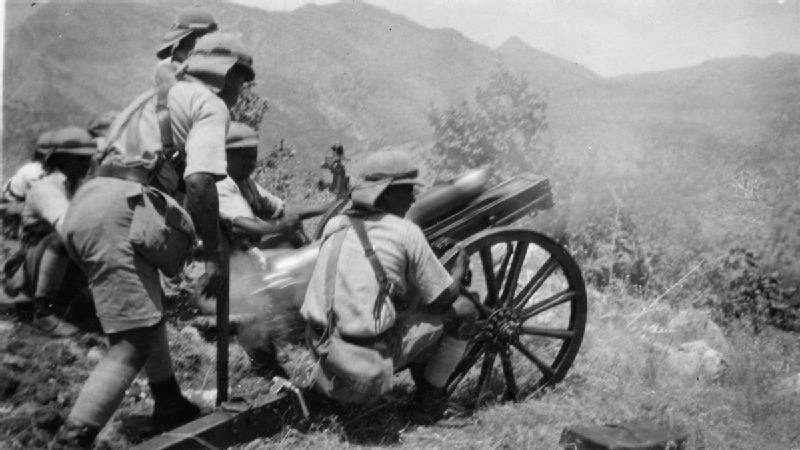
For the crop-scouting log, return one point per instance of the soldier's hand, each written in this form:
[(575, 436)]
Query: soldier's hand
[(290, 220), (213, 280)]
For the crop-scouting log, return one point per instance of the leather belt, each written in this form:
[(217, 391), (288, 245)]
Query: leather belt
[(136, 174), (370, 341)]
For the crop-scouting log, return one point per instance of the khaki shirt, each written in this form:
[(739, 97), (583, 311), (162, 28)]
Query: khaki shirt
[(247, 199), (17, 186), (47, 199), (200, 123), (406, 256)]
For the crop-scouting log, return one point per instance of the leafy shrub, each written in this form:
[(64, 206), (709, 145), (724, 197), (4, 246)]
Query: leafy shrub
[(744, 290), (500, 129), (250, 107)]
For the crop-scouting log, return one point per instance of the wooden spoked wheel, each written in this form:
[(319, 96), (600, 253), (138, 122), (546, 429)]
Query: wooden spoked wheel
[(531, 301)]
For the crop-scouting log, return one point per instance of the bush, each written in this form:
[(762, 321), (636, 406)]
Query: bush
[(744, 290), (500, 129)]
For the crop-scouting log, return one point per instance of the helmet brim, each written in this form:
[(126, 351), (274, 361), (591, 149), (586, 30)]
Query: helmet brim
[(213, 69)]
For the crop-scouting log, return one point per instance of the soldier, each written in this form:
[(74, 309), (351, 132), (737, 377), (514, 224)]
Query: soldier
[(15, 190), (98, 127), (176, 134), (252, 214), (190, 24), (48, 274), (380, 300), (17, 186)]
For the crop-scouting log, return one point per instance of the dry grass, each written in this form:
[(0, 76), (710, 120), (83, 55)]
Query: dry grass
[(619, 375)]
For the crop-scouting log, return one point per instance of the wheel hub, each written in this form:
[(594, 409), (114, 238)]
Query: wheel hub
[(502, 326)]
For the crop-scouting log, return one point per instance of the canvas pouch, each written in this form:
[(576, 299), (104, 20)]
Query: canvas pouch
[(346, 371), (161, 231)]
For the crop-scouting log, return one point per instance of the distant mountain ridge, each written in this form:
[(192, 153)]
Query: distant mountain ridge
[(356, 73)]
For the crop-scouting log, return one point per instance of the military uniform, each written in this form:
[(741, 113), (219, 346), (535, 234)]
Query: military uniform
[(160, 138), (371, 256)]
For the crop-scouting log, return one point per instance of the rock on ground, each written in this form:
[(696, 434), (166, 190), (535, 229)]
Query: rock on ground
[(696, 360)]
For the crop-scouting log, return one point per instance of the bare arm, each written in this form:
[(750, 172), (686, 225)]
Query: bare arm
[(203, 205), (257, 227), (442, 303)]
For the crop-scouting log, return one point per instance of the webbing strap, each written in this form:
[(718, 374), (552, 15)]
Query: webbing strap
[(369, 250), (330, 277), (384, 287), (165, 122)]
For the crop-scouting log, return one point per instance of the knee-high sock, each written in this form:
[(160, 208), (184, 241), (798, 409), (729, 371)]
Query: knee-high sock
[(444, 360), (158, 367), (102, 392)]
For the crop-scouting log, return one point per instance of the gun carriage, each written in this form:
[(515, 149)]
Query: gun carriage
[(528, 289)]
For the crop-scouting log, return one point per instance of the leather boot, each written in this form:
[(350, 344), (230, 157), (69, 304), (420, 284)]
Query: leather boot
[(171, 408), (72, 436)]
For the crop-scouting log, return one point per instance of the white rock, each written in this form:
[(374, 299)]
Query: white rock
[(206, 397), (191, 333), (694, 324), (789, 385), (696, 360)]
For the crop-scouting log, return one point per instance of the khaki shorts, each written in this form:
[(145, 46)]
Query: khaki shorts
[(125, 287), (416, 336)]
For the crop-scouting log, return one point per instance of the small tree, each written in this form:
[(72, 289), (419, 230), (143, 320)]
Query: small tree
[(250, 107), (500, 129)]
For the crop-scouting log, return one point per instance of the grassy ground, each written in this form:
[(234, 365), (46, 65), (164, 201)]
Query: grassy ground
[(619, 375)]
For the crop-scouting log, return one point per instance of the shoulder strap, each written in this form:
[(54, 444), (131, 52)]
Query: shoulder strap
[(330, 274), (165, 121), (369, 250), (385, 287), (330, 287)]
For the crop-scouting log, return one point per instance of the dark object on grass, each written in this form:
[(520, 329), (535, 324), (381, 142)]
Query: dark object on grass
[(621, 436), (9, 383)]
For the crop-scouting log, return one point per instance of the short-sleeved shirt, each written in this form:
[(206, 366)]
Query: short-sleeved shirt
[(200, 123), (17, 186), (406, 257), (247, 199), (47, 199)]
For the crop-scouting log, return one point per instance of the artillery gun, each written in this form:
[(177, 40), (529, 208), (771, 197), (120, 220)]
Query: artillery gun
[(528, 290)]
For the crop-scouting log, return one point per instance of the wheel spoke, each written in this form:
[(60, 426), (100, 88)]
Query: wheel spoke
[(544, 368), (508, 373), (501, 273), (488, 275), (513, 274), (463, 366), (547, 332), (485, 375), (548, 303), (537, 281)]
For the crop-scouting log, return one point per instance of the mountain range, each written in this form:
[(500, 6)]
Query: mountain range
[(360, 75)]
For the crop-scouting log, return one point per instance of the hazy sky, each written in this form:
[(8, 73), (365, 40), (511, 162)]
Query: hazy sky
[(611, 36)]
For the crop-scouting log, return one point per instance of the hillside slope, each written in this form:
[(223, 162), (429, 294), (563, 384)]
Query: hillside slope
[(345, 72)]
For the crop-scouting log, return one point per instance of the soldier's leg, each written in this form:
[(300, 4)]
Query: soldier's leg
[(103, 391), (48, 283), (171, 407)]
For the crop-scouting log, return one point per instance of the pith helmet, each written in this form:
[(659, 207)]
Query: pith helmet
[(197, 21), (215, 55), (241, 135), (380, 170), (44, 143), (99, 125), (73, 140)]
